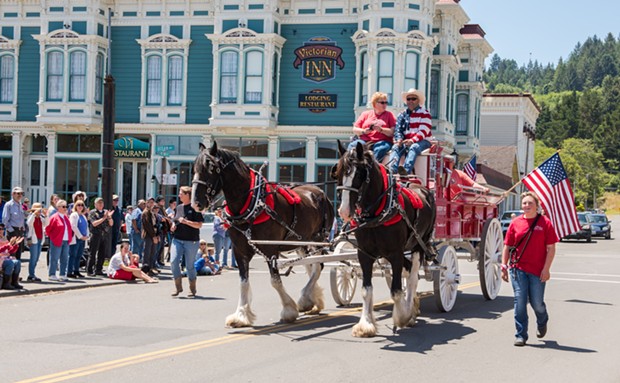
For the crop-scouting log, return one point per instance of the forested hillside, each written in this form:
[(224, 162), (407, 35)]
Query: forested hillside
[(580, 110)]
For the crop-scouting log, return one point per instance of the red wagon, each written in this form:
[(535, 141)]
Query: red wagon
[(466, 227)]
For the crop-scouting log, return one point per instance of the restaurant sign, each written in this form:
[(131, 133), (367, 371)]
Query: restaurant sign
[(131, 147)]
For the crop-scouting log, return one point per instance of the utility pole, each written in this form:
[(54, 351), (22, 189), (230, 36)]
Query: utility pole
[(109, 113)]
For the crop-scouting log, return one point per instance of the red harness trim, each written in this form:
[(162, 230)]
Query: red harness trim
[(415, 200), (290, 195)]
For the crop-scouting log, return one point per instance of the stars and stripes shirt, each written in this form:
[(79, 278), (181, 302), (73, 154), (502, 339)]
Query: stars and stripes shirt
[(414, 125)]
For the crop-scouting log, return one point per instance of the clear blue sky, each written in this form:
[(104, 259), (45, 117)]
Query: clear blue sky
[(548, 29)]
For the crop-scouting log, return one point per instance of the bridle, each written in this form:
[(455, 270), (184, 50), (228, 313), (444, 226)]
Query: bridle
[(361, 188), (213, 187)]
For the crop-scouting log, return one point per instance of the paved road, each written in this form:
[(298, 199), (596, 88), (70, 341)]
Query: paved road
[(138, 333)]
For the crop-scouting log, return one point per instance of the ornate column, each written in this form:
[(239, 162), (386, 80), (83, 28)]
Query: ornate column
[(17, 171), (311, 159), (51, 164), (273, 158)]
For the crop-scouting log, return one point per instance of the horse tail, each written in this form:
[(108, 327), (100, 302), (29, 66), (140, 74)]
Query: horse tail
[(327, 209)]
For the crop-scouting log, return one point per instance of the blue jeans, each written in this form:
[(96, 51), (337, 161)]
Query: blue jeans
[(411, 153), (379, 149), (11, 266), (75, 254), (218, 243), (35, 253), (57, 252), (186, 250), (137, 244), (528, 287)]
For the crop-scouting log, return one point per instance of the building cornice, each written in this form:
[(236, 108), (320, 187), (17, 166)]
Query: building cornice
[(388, 36), (164, 41), (6, 43), (246, 36), (68, 37)]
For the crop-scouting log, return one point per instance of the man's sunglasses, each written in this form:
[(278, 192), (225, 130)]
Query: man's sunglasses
[(411, 98)]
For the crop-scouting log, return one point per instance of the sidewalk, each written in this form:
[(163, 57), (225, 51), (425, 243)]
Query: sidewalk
[(46, 286)]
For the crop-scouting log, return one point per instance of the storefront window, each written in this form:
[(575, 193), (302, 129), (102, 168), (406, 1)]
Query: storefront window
[(39, 144), (73, 175), (293, 148), (328, 149), (292, 173), (6, 142), (5, 176), (323, 174), (246, 147), (79, 143)]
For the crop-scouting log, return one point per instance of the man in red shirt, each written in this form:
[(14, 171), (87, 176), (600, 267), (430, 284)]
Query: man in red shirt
[(532, 239)]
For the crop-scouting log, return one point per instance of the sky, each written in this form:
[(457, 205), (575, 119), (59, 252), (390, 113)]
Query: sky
[(544, 29)]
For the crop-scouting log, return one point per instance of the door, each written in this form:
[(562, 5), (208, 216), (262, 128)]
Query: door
[(132, 182), (38, 180)]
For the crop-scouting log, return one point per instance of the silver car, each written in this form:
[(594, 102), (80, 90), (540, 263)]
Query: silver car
[(507, 218), (206, 231)]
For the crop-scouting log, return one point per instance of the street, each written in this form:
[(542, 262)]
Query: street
[(138, 333)]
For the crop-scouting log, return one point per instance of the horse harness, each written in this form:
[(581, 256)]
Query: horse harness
[(365, 218)]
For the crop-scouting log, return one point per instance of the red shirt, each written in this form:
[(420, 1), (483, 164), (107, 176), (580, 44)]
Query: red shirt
[(368, 118), (533, 259)]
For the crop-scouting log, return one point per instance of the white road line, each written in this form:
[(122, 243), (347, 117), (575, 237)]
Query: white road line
[(582, 280), (586, 274)]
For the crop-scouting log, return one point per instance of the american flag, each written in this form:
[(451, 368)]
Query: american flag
[(470, 168), (550, 182)]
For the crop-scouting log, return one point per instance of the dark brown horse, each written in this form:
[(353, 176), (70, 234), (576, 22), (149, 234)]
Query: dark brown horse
[(380, 234), (251, 200)]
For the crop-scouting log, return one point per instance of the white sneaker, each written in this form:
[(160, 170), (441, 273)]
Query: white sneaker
[(63, 279), (53, 278)]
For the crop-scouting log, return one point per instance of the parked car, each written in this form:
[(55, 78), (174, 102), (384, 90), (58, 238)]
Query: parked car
[(586, 230), (206, 231), (507, 218), (601, 226)]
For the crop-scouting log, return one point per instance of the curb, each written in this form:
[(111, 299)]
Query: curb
[(51, 289)]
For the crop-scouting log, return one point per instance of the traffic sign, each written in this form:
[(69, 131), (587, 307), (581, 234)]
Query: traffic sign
[(164, 148)]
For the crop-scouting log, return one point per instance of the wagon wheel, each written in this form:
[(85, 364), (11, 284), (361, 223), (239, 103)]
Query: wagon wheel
[(446, 280), (343, 278), (490, 258), (388, 277)]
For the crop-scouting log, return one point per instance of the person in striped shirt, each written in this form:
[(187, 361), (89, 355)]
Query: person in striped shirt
[(413, 127)]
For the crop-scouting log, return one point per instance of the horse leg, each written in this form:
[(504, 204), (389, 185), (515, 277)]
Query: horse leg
[(413, 300), (402, 311), (311, 299), (289, 308), (243, 316), (367, 326)]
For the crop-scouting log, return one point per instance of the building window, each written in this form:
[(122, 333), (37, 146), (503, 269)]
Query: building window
[(292, 173), (253, 77), (77, 76), (462, 115), (364, 79), (433, 100), (6, 166), (79, 143), (385, 81), (328, 149), (246, 147), (228, 80), (323, 176), (99, 79), (55, 72), (411, 70), (175, 80), (73, 175), (7, 79), (293, 148), (6, 141), (153, 80)]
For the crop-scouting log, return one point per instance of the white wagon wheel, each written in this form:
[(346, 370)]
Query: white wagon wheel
[(490, 258), (447, 279), (343, 278)]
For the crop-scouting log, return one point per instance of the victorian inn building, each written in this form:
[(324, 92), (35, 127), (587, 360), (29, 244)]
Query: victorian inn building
[(278, 81)]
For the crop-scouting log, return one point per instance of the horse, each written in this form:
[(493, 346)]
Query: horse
[(386, 224), (260, 210)]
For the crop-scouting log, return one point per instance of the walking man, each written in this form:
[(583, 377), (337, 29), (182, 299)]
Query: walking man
[(117, 220), (136, 229)]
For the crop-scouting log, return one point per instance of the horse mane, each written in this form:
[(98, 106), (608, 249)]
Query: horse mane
[(225, 156), (349, 159)]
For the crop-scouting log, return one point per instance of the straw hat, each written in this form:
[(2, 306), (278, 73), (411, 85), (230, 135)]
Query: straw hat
[(414, 92), (35, 206)]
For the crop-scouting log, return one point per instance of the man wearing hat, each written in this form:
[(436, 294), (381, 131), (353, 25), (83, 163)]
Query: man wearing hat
[(117, 219), (36, 225), (413, 127), (14, 219)]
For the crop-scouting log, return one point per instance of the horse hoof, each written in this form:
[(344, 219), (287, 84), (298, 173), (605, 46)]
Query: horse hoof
[(234, 321), (364, 330)]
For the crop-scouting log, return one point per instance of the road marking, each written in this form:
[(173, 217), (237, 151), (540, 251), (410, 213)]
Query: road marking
[(166, 353), (587, 274), (584, 280)]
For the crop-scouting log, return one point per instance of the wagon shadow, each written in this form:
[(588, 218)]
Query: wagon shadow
[(468, 306)]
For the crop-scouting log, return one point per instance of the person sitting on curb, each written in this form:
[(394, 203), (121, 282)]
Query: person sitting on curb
[(123, 268), (9, 265), (205, 263)]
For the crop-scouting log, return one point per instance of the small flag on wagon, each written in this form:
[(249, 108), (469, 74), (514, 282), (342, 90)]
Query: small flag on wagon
[(550, 182), (470, 168)]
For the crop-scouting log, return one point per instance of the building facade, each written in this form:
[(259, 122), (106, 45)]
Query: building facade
[(278, 81)]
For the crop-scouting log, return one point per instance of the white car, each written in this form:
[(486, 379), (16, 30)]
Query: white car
[(206, 231)]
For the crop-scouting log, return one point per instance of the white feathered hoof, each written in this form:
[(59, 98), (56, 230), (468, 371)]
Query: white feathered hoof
[(364, 330), (241, 318), (401, 314), (289, 314), (314, 304)]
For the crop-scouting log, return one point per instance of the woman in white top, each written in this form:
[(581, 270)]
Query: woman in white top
[(120, 267), (36, 235), (79, 224)]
